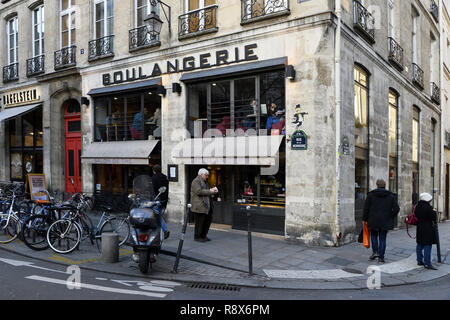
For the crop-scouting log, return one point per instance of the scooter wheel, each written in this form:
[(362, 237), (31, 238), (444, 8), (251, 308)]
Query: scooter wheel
[(143, 261)]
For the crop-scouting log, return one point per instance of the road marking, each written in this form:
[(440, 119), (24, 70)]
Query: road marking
[(403, 265), (56, 257), (18, 263), (310, 274), (98, 288)]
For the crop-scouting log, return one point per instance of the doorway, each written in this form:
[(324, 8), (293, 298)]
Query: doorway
[(72, 129)]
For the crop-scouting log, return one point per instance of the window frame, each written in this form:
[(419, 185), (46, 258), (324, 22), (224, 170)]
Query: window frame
[(15, 33), (394, 94), (105, 19), (69, 11), (149, 10), (41, 12)]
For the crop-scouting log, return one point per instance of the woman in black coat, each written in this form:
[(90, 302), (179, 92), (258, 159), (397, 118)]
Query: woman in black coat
[(426, 232)]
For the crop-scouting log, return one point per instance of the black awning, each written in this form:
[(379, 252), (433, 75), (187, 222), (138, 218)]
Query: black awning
[(235, 69), (132, 86)]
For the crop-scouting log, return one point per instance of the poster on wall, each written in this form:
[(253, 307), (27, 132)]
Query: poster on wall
[(37, 186)]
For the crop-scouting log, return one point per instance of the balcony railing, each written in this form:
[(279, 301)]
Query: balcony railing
[(434, 10), (66, 57), (435, 93), (11, 72), (363, 21), (198, 22), (35, 66), (252, 10), (417, 76), (142, 37), (101, 48), (395, 53)]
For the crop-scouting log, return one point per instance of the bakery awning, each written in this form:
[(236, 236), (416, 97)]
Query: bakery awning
[(241, 150), (121, 88), (9, 113), (119, 152), (235, 70)]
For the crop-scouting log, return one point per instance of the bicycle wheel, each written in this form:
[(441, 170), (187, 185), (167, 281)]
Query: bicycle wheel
[(63, 236), (117, 225), (9, 232), (34, 232)]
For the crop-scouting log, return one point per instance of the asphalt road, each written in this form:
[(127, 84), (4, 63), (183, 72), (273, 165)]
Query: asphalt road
[(28, 279)]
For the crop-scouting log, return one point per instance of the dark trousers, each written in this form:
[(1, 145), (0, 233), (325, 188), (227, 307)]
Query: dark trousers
[(202, 224), (378, 239)]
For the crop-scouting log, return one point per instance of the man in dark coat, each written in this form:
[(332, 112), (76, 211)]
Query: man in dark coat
[(380, 210), (159, 180), (426, 232)]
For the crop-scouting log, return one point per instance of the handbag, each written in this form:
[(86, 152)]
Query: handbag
[(411, 219), (366, 235)]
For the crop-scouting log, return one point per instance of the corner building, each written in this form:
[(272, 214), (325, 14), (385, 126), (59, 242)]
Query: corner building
[(198, 93)]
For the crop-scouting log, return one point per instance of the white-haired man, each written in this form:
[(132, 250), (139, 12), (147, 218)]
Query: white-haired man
[(202, 204)]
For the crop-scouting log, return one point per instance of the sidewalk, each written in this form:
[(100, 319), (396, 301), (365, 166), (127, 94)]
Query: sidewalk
[(276, 263)]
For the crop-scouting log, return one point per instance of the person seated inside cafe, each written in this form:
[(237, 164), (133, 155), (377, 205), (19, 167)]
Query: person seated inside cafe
[(276, 119), (136, 128), (154, 123), (247, 115)]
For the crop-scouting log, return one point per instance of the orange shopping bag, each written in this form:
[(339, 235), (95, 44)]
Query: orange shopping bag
[(366, 235)]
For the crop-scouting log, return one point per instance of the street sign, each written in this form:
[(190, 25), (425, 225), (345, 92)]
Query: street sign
[(299, 140)]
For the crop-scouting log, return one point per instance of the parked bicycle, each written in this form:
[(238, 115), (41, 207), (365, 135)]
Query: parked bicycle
[(9, 221), (65, 235)]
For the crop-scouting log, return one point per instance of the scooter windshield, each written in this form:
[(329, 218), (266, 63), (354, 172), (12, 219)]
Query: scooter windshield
[(143, 188)]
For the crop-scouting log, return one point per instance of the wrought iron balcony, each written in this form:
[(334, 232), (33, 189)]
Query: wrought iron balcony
[(35, 66), (435, 93), (363, 21), (101, 48), (11, 72), (434, 10), (198, 22), (395, 53), (417, 76), (142, 37), (252, 10), (66, 57)]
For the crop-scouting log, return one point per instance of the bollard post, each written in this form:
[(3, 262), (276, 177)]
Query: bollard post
[(250, 257), (110, 247), (180, 244)]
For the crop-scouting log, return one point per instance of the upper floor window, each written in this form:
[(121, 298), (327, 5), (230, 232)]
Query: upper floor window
[(415, 21), (260, 8), (391, 18), (67, 23), (200, 16), (38, 31), (143, 9), (13, 39), (104, 18)]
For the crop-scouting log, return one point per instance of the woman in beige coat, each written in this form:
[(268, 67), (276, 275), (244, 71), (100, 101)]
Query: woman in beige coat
[(202, 204)]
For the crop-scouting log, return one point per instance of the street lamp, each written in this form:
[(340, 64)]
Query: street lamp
[(154, 22)]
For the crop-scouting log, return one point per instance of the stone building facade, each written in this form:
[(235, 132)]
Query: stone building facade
[(445, 76), (203, 70)]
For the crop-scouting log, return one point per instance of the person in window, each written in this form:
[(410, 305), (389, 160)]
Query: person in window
[(136, 127), (155, 123), (276, 121), (273, 109)]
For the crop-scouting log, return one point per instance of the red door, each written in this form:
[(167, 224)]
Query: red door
[(72, 121)]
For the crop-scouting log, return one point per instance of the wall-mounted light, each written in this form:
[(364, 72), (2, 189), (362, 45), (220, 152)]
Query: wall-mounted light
[(85, 100), (154, 22), (161, 91), (290, 72), (176, 87)]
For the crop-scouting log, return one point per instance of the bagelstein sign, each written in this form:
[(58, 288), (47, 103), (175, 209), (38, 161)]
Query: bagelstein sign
[(190, 63)]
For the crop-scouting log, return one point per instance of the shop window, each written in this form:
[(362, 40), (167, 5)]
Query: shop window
[(131, 117), (239, 104), (15, 132)]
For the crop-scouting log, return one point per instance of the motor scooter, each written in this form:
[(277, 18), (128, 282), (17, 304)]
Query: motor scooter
[(146, 233)]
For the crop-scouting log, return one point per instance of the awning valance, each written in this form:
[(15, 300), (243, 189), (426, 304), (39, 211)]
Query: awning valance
[(237, 69), (242, 150), (9, 113), (119, 152), (132, 86)]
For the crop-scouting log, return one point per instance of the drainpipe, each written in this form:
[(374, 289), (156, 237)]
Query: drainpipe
[(337, 72)]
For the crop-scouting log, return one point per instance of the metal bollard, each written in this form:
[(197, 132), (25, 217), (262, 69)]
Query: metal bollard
[(180, 244), (250, 257), (110, 247)]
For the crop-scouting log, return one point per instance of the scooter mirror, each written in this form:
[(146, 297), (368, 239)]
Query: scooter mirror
[(162, 189)]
